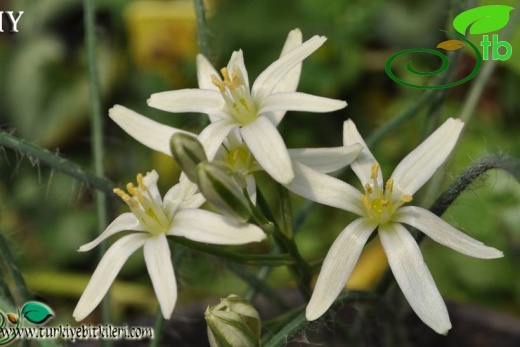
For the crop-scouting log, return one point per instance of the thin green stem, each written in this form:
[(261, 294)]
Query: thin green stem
[(56, 162), (97, 135), (301, 270), (201, 27), (248, 259), (157, 328), (8, 260)]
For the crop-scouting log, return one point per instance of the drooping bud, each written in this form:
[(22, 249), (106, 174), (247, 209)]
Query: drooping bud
[(233, 322), (188, 152), (223, 192)]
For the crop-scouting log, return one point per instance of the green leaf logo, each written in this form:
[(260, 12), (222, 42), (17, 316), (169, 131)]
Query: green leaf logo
[(36, 312), (483, 19)]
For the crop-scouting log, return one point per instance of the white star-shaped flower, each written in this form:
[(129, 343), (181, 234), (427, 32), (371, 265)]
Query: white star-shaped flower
[(382, 207), (231, 103), (154, 219), (233, 151)]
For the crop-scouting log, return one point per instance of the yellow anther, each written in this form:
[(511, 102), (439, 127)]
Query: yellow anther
[(406, 198), (368, 189), (390, 185), (366, 202), (225, 73), (218, 83), (374, 171), (134, 191), (122, 194), (140, 182)]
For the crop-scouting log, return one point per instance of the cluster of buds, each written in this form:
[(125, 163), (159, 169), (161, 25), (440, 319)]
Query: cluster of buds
[(221, 189)]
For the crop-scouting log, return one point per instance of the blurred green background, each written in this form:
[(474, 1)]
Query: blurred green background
[(149, 46)]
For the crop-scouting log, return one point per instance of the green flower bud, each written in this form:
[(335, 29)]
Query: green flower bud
[(223, 192), (233, 322), (188, 152)]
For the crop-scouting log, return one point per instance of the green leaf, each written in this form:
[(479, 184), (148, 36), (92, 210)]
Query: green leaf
[(36, 312), (483, 19)]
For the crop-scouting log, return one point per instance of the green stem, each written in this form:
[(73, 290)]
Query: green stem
[(56, 162), (97, 136), (301, 270), (259, 285), (248, 259), (8, 261), (158, 328), (201, 27)]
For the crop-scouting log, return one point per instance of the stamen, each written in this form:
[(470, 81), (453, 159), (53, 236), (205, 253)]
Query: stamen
[(140, 182), (218, 83), (406, 198), (374, 171), (119, 192), (366, 202), (225, 74), (368, 189), (389, 185)]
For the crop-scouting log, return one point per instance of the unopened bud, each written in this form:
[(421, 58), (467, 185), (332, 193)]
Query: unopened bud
[(223, 192), (188, 152), (233, 322)]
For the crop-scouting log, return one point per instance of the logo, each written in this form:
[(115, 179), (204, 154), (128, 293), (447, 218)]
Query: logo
[(478, 21), (32, 311)]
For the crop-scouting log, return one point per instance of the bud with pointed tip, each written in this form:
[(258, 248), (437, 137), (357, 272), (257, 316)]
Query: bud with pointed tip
[(188, 152), (223, 192), (233, 322)]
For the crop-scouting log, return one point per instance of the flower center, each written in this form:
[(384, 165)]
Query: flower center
[(143, 205), (240, 159), (381, 204), (236, 95)]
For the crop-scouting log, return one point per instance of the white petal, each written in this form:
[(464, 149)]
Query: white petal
[(326, 159), (294, 101), (150, 181), (290, 81), (270, 77), (268, 148), (338, 265), (209, 227), (124, 222), (325, 189), (159, 264), (204, 72), (364, 161), (182, 195), (418, 166), (214, 134), (237, 60), (443, 233), (149, 132), (206, 101), (106, 272), (413, 277), (251, 188)]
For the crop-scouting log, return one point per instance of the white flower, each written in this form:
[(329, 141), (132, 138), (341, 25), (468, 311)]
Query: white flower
[(233, 152), (154, 218), (382, 207), (230, 103)]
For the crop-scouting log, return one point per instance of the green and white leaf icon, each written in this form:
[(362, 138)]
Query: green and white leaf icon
[(483, 19), (36, 312)]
